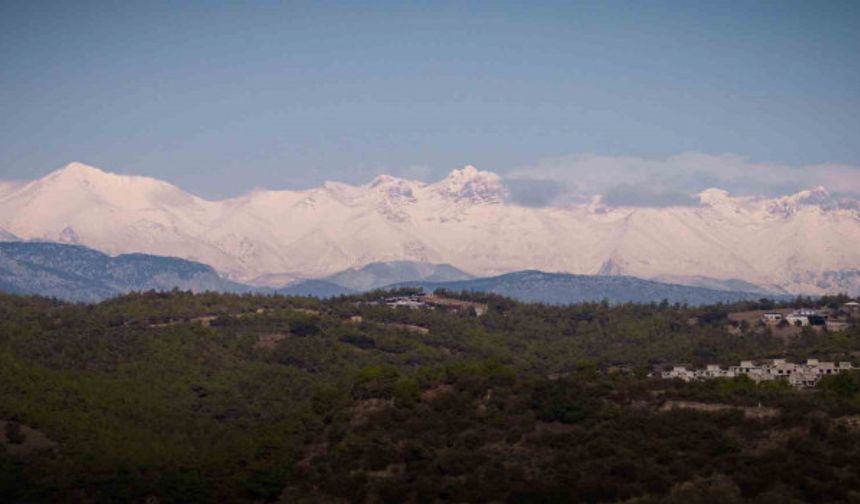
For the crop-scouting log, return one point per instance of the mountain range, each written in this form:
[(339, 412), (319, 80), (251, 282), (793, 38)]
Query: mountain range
[(803, 243), (76, 273)]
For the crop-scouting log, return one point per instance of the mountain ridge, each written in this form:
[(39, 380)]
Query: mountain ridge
[(565, 288), (380, 274), (802, 243), (77, 273)]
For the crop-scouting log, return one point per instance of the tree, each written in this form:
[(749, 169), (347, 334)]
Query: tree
[(845, 384)]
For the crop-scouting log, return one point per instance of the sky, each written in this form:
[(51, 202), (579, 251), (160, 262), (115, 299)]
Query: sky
[(642, 101)]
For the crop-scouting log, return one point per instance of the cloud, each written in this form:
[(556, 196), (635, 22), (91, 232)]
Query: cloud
[(634, 196), (635, 181), (534, 193)]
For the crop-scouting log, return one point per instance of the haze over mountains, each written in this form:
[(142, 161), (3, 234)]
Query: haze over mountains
[(803, 243)]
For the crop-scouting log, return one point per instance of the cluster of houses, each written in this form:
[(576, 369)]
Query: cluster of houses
[(814, 318), (414, 301), (433, 301), (411, 301), (798, 375), (802, 317)]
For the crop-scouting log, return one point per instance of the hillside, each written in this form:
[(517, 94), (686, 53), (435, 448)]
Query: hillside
[(561, 288), (76, 273), (801, 243), (183, 398)]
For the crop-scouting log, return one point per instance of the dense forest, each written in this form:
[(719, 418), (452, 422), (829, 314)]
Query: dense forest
[(180, 397)]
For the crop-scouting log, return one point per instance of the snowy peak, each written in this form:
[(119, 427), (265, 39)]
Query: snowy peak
[(81, 175), (393, 187), (816, 199), (814, 196), (77, 181), (791, 204), (81, 171), (473, 185), (386, 180), (714, 197)]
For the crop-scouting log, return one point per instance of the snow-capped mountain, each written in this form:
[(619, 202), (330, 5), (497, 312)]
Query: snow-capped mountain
[(803, 243)]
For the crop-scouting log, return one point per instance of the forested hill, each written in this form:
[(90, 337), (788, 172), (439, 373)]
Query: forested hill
[(76, 273), (182, 398), (564, 288)]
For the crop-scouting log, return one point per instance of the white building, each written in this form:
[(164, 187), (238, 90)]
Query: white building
[(679, 372), (780, 368), (798, 375), (714, 371), (405, 303), (745, 367), (413, 302)]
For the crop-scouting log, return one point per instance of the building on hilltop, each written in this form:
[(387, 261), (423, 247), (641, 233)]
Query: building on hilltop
[(806, 317)]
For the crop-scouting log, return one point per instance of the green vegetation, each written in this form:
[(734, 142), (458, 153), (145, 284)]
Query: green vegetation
[(175, 397)]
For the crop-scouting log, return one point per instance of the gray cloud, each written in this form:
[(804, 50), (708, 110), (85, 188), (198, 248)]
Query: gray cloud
[(673, 181), (635, 196), (534, 193)]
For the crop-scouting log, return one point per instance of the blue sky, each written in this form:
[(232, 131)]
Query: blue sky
[(224, 97)]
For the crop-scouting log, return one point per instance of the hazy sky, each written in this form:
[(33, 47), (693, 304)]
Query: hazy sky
[(223, 97)]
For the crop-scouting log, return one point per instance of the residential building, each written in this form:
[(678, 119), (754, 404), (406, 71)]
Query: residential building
[(798, 375)]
